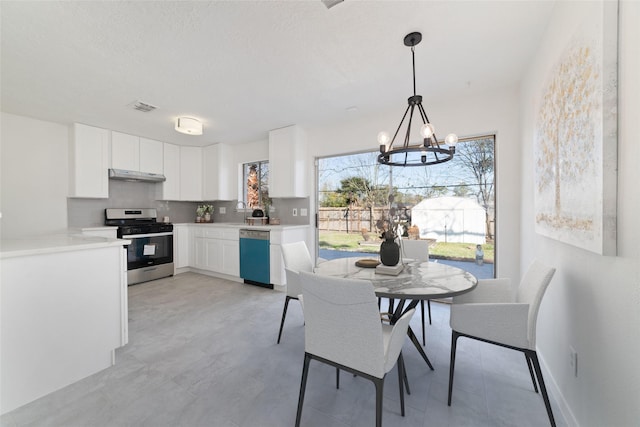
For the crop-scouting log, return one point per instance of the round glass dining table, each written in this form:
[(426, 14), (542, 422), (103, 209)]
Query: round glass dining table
[(418, 280)]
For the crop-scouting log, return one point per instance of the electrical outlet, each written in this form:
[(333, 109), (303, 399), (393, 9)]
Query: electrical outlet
[(223, 210), (303, 212), (573, 361), (294, 212)]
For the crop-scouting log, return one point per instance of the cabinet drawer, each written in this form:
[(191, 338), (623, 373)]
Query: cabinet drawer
[(231, 234)]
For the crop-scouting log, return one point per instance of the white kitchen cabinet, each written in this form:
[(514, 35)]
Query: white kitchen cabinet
[(277, 238), (199, 252), (64, 312), (230, 251), (191, 173), (130, 152), (181, 246), (217, 249), (125, 151), (287, 162), (171, 163), (151, 156), (219, 173), (88, 162)]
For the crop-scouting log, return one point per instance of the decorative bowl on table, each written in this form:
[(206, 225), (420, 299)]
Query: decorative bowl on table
[(367, 263)]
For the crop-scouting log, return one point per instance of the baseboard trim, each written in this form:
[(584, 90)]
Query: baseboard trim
[(554, 390)]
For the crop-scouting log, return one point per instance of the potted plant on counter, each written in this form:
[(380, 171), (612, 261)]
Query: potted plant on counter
[(199, 213), (208, 210)]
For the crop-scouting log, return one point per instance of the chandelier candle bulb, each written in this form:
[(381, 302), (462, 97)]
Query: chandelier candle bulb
[(451, 140), (427, 131)]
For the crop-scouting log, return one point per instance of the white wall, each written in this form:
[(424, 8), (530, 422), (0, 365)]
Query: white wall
[(475, 114), (33, 187), (593, 302)]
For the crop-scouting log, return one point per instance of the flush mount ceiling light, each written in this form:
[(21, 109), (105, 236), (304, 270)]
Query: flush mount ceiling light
[(189, 126), (427, 152)]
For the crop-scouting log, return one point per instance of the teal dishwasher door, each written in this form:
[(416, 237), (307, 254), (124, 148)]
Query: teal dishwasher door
[(254, 257)]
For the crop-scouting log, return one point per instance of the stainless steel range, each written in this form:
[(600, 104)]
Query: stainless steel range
[(150, 254)]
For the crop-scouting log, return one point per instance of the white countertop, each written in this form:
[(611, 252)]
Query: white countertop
[(51, 243), (244, 226)]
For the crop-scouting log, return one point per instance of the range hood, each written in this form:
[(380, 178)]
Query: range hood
[(127, 175)]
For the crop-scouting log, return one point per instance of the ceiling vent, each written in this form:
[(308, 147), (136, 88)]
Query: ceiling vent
[(142, 106)]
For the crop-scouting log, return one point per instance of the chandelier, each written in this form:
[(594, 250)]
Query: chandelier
[(429, 151)]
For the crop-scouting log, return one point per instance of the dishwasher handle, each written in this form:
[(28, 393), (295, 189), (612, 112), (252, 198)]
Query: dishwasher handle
[(254, 234)]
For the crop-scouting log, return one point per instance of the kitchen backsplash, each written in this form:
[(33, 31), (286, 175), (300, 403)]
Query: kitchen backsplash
[(127, 194)]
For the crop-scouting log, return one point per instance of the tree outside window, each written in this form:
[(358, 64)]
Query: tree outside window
[(256, 184)]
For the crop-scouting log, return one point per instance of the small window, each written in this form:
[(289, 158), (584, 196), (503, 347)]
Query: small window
[(255, 178)]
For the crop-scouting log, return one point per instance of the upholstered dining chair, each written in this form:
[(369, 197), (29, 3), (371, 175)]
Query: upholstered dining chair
[(492, 313), (296, 259), (343, 329), (417, 250)]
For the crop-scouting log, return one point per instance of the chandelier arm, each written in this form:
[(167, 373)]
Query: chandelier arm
[(407, 136), (399, 126)]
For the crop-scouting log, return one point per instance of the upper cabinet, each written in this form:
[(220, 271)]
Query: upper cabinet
[(219, 176), (125, 151), (151, 156), (133, 153), (191, 173), (89, 162), (287, 161), (171, 161)]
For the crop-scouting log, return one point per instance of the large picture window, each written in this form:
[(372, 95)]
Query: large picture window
[(256, 184), (450, 205)]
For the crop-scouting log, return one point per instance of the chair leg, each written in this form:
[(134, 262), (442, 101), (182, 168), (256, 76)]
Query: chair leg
[(536, 364), (303, 387), (337, 378), (424, 342), (452, 363), (400, 385), (429, 309), (284, 314), (533, 378), (404, 371), (379, 383)]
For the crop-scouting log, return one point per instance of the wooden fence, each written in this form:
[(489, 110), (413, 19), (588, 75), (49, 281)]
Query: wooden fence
[(351, 220)]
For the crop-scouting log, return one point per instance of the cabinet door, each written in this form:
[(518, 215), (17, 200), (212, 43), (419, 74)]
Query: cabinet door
[(125, 151), (191, 173), (218, 178), (287, 157), (200, 255), (181, 246), (230, 251), (171, 161), (214, 255), (151, 156), (89, 162)]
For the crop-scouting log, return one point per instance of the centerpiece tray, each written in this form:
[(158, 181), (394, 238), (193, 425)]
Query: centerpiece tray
[(367, 263)]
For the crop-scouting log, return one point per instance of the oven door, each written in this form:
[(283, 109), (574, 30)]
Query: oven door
[(149, 249)]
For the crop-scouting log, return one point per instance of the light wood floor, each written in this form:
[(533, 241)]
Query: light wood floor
[(202, 352)]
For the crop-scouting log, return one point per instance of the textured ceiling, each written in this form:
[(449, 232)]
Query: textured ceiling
[(246, 67)]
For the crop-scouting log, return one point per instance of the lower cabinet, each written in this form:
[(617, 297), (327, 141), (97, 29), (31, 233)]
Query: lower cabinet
[(181, 246), (217, 250)]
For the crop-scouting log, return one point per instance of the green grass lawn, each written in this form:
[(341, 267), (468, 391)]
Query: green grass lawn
[(342, 241)]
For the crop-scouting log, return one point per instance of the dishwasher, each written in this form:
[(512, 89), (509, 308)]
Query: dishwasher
[(254, 257)]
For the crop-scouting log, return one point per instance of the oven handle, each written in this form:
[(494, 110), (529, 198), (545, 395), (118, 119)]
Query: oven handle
[(137, 236)]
